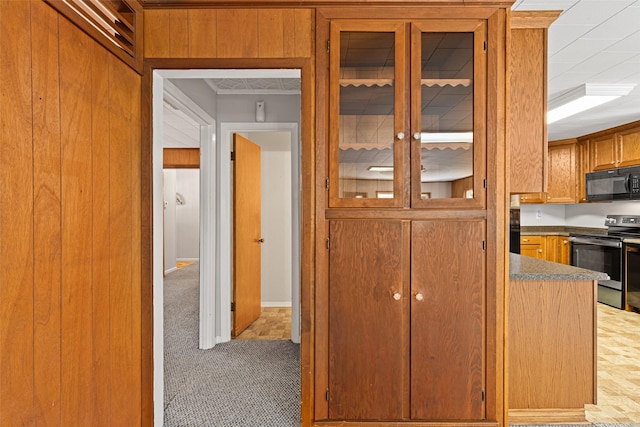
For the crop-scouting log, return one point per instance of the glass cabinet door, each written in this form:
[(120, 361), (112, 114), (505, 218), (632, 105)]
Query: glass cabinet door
[(367, 109), (448, 114)]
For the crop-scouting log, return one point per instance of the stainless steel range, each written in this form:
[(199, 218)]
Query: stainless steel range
[(614, 253)]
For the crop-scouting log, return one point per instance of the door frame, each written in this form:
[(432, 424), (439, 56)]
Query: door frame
[(152, 345), (227, 129)]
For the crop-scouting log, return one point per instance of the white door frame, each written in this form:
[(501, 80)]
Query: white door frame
[(210, 199), (227, 129)]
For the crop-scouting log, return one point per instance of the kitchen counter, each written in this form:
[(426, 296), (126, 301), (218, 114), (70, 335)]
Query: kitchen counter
[(560, 230), (552, 341), (527, 268)]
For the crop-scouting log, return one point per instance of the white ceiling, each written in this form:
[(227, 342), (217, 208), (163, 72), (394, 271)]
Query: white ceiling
[(593, 41)]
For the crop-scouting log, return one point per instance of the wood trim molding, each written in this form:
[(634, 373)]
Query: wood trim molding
[(181, 158), (199, 4), (610, 131), (533, 18)]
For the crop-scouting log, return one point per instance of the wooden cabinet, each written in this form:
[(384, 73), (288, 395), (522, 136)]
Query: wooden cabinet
[(552, 248), (528, 100), (562, 172), (583, 166), (532, 198), (619, 147), (392, 143), (533, 246), (406, 336)]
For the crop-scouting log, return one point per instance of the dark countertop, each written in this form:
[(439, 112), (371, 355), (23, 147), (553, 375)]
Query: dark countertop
[(527, 268), (559, 230)]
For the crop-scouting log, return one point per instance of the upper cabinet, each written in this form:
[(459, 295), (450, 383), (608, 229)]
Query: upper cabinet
[(528, 100), (616, 149), (562, 172), (407, 114)]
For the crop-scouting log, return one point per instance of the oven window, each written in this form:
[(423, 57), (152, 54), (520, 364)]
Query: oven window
[(598, 258)]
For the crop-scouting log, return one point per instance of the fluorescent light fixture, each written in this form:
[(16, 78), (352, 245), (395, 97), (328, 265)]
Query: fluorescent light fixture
[(445, 137), (584, 97), (380, 168)]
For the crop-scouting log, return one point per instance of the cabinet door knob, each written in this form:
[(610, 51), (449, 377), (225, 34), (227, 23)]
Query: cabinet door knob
[(525, 240), (419, 297), (261, 240), (400, 135), (540, 251), (417, 136), (565, 242), (397, 296)]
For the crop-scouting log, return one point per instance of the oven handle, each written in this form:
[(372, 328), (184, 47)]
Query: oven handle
[(598, 242)]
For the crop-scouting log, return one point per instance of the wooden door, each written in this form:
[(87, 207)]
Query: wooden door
[(246, 233), (629, 143), (368, 320), (447, 320), (561, 185), (603, 153)]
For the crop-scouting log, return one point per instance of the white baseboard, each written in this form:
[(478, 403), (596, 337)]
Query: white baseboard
[(187, 259), (170, 270), (275, 304)]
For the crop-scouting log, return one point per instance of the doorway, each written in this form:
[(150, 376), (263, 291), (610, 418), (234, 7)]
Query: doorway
[(215, 291)]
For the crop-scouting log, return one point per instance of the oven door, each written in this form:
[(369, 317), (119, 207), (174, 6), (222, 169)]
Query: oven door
[(605, 255), (632, 276)]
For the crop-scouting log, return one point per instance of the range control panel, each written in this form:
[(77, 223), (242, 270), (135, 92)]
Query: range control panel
[(622, 220)]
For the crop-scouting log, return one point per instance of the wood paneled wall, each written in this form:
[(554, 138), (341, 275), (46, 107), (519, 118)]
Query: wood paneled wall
[(70, 243), (228, 33)]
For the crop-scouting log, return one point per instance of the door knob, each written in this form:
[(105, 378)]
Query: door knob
[(419, 297), (417, 136), (261, 240), (397, 296)]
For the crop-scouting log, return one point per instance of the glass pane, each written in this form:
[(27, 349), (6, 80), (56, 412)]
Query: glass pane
[(447, 115), (366, 114)]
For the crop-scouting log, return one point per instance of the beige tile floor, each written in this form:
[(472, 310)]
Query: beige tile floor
[(618, 367), (274, 323)]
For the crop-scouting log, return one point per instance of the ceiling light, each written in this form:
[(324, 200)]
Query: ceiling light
[(584, 97), (444, 137), (380, 168)]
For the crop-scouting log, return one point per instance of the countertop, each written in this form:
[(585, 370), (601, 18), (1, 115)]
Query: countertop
[(529, 230), (527, 268)]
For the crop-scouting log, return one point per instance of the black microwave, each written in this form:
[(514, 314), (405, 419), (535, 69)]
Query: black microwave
[(613, 184)]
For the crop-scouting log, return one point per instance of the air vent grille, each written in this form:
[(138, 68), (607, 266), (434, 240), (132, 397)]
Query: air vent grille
[(116, 24)]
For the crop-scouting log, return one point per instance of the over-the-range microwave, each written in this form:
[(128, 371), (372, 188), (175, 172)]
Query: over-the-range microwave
[(614, 184)]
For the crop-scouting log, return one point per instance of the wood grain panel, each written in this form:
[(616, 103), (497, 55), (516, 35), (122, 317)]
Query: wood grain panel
[(561, 187), (289, 32), (178, 34), (368, 340), (202, 33), (629, 142), (181, 158), (603, 152), (76, 286), (125, 406), (133, 83), (156, 33), (559, 317), (237, 33), (447, 326), (47, 215), (100, 89), (16, 213), (527, 104), (304, 33), (270, 33)]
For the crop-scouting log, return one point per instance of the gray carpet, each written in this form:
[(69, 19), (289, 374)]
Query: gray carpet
[(235, 384)]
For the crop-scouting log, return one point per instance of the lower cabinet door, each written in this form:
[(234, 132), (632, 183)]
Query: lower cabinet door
[(368, 320), (447, 320)]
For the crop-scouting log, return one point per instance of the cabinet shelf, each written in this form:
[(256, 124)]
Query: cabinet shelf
[(389, 82)]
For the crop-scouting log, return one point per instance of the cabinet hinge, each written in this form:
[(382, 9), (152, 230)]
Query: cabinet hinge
[(484, 183), (485, 45), (233, 156), (326, 183), (484, 245), (328, 46), (233, 306), (326, 396), (483, 395), (328, 243)]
